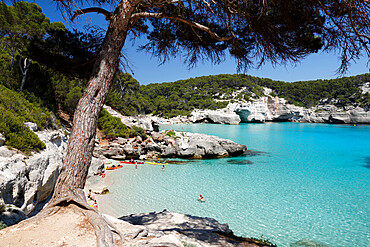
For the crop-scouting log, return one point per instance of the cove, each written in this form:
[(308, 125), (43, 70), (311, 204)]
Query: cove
[(307, 181)]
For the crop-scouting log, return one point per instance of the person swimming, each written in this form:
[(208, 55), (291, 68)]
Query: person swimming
[(201, 198)]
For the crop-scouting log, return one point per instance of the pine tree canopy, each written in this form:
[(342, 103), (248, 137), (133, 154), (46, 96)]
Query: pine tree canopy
[(251, 31)]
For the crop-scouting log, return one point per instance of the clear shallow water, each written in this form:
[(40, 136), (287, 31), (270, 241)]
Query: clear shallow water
[(311, 182)]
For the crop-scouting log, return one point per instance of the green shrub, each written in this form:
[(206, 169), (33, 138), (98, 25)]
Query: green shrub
[(171, 133), (139, 132), (15, 110), (17, 134), (72, 98), (113, 126), (2, 225), (20, 105)]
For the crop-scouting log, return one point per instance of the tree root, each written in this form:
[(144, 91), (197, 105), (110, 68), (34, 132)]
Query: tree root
[(104, 229)]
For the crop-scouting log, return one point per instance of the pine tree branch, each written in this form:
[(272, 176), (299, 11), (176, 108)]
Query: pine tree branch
[(180, 19), (106, 13)]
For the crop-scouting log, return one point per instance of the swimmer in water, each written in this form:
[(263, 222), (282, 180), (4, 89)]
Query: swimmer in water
[(201, 198)]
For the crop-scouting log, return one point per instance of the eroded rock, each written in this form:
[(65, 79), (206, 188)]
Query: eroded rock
[(26, 181)]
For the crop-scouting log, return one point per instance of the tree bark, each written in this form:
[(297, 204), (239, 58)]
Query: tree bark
[(71, 181), (24, 70)]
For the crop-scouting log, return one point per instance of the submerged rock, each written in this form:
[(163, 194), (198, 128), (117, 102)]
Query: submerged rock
[(308, 243), (240, 162), (253, 153)]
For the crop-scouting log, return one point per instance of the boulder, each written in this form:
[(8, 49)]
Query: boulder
[(31, 126), (12, 215)]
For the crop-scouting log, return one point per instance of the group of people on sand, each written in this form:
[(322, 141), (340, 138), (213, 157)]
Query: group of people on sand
[(91, 198)]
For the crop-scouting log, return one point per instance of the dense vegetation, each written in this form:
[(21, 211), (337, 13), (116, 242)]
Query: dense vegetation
[(43, 69), (344, 91), (212, 92), (15, 110)]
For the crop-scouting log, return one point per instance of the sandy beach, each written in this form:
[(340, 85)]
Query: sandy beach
[(97, 184)]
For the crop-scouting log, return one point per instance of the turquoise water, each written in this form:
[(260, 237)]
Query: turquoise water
[(312, 181)]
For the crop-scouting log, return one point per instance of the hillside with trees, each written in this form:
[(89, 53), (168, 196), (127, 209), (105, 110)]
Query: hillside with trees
[(213, 92)]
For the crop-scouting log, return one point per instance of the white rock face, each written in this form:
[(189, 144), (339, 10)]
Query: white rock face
[(27, 181), (333, 114), (221, 116), (365, 88), (269, 108), (31, 126)]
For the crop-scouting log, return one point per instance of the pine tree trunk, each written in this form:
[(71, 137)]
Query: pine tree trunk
[(24, 70), (77, 161)]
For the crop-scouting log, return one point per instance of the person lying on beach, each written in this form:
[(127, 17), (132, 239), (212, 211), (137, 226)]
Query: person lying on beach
[(95, 204), (90, 196)]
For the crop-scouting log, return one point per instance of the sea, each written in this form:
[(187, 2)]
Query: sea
[(300, 181)]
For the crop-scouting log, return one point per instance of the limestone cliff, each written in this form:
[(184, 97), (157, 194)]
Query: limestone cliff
[(272, 108)]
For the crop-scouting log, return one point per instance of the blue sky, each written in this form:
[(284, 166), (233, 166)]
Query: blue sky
[(147, 70)]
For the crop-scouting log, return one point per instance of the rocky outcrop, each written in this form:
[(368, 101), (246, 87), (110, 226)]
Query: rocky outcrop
[(176, 229), (172, 144), (26, 181)]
